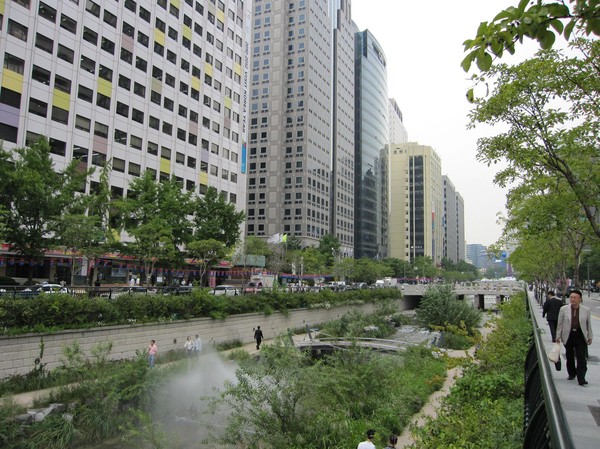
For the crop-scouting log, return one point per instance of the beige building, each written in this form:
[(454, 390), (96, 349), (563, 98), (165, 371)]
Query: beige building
[(416, 202)]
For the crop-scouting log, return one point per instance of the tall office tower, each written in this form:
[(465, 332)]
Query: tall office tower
[(477, 255), (453, 222), (300, 138), (372, 145), (342, 173), (398, 132), (147, 85), (416, 202), (460, 227)]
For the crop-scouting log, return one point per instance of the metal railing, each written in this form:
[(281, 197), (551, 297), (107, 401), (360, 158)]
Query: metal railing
[(544, 421)]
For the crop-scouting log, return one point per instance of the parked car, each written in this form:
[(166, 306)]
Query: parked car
[(224, 290), (253, 287), (49, 288), (178, 290)]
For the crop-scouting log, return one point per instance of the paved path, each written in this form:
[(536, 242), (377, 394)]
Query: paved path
[(580, 404)]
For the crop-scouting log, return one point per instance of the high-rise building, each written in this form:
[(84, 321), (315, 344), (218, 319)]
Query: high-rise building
[(477, 255), (453, 222), (300, 164), (152, 86), (398, 132), (416, 202), (372, 146)]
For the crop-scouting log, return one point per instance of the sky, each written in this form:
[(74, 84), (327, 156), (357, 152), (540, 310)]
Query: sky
[(422, 42)]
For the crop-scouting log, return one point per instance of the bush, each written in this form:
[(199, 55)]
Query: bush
[(5, 280), (440, 307)]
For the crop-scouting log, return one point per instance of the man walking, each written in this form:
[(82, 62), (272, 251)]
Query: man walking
[(574, 330), (550, 310), (258, 336), (368, 443)]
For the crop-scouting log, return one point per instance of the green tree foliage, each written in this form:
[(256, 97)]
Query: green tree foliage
[(286, 400), (154, 215), (368, 270), (548, 108), (35, 196), (206, 253), (485, 408), (540, 20), (329, 246), (440, 307), (215, 218)]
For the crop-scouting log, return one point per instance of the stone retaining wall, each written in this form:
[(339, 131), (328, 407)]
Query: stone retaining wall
[(18, 353)]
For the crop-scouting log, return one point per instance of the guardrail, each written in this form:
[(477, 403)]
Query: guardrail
[(544, 422)]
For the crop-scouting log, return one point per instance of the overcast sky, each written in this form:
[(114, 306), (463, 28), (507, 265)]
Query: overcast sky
[(422, 41)]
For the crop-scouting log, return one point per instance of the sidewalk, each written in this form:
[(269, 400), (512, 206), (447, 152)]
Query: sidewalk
[(581, 405)]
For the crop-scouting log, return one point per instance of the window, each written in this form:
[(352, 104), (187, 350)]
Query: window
[(87, 64), (160, 25), (137, 116), (38, 107), (155, 97), (165, 153), (141, 64), (154, 123), (143, 39), (173, 34), (66, 54), (140, 90), (128, 30), (134, 169), (92, 8), (102, 101), (183, 87), (185, 65), (145, 14), (181, 135), (98, 159), (80, 153), (191, 162), (108, 46), (170, 80), (122, 109), (118, 164), (124, 82), (43, 43), (130, 5), (120, 137), (110, 18), (40, 75), (172, 57), (179, 158), (168, 104), (85, 94), (62, 84), (167, 128), (174, 10), (194, 116), (152, 148), (159, 49), (182, 111), (60, 115), (23, 3), (90, 36), (105, 73), (17, 30), (57, 147), (135, 142), (47, 12), (100, 130), (126, 55)]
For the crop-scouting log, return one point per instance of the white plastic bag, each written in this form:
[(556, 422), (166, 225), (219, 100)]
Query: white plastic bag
[(554, 353)]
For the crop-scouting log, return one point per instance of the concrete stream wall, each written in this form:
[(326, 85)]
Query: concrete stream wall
[(18, 353)]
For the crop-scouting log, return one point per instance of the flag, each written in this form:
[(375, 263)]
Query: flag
[(283, 238)]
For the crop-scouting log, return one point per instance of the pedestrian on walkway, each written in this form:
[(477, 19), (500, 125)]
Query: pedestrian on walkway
[(368, 443), (574, 330), (152, 350), (197, 346), (392, 443), (189, 347), (550, 310), (258, 336)]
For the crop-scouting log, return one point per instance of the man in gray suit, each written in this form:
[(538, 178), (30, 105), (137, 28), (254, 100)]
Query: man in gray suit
[(574, 330)]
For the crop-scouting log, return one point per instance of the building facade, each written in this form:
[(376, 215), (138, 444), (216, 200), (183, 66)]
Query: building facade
[(145, 85), (398, 133), (372, 146), (416, 202), (453, 222)]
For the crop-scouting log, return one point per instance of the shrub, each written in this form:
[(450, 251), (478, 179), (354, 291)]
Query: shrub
[(440, 307)]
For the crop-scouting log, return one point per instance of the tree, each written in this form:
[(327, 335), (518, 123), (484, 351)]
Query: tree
[(538, 20), (548, 107), (35, 196), (402, 268), (206, 253), (215, 218), (424, 267), (368, 270), (329, 246), (154, 215), (293, 243)]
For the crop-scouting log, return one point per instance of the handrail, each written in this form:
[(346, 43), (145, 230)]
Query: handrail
[(545, 424)]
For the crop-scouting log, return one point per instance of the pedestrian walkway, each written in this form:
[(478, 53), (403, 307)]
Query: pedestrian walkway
[(581, 404)]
